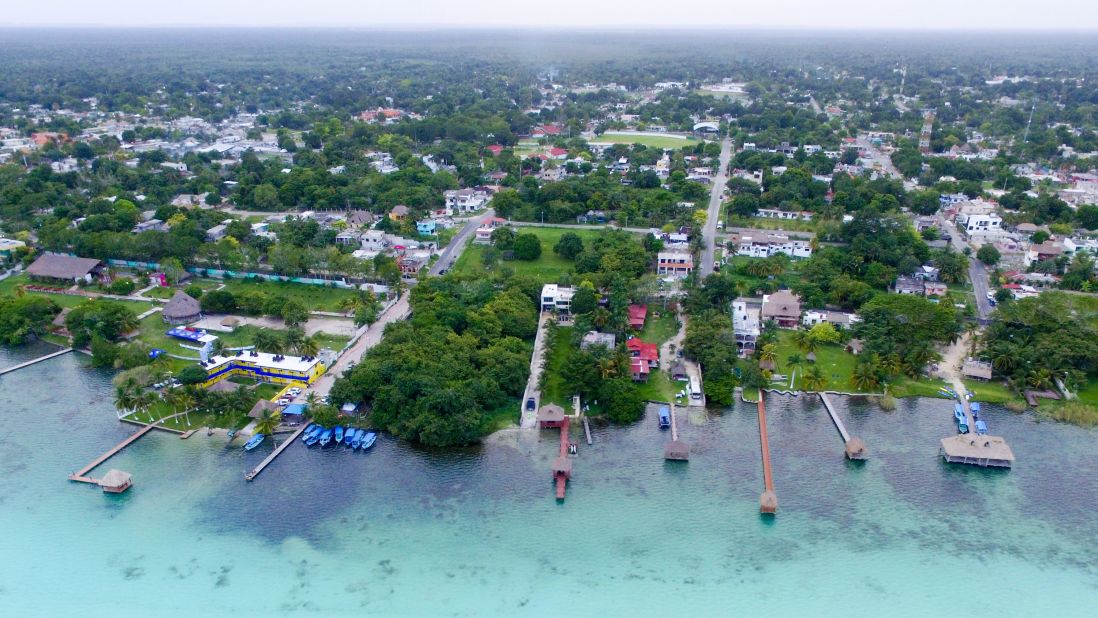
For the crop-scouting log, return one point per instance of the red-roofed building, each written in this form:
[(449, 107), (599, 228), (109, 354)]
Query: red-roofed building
[(558, 153), (639, 369), (495, 149), (385, 113), (546, 129), (647, 352), (637, 315)]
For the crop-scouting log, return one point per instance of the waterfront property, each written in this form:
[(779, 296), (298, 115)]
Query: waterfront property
[(181, 309), (977, 450), (264, 367)]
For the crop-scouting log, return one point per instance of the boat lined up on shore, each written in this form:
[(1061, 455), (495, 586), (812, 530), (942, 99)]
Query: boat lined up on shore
[(255, 441), (352, 437)]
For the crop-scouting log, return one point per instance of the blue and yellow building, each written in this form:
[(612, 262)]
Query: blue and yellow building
[(263, 367)]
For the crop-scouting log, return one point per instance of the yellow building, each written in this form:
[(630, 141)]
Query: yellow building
[(263, 367)]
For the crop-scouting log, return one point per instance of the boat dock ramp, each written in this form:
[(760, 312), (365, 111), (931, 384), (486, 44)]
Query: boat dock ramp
[(254, 472), (35, 361)]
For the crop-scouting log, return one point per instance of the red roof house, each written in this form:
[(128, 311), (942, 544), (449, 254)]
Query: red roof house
[(639, 369), (495, 149), (637, 315), (648, 352), (558, 153)]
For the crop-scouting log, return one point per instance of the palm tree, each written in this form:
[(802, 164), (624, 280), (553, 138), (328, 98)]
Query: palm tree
[(803, 339), (309, 346), (971, 330), (768, 352), (864, 377), (1039, 378), (294, 337), (892, 364), (20, 290), (267, 341), (1004, 359), (268, 422), (125, 399), (217, 348), (311, 399), (607, 367), (814, 379)]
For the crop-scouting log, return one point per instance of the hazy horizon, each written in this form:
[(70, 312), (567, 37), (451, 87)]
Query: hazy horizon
[(838, 15)]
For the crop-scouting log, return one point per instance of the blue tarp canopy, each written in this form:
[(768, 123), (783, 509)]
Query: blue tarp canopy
[(294, 409)]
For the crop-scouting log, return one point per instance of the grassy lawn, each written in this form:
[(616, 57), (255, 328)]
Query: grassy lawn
[(659, 387), (7, 288), (836, 363), (554, 390), (503, 417), (906, 387), (659, 330), (762, 223), (652, 141), (1089, 393), (991, 392), (153, 331), (314, 297), (546, 268)]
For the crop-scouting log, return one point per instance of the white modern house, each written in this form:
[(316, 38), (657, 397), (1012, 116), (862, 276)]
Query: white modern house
[(556, 298), (761, 245)]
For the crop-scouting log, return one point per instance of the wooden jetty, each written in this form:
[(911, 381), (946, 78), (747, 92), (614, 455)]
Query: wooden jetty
[(81, 476), (973, 448), (35, 361), (587, 431), (254, 472), (675, 449), (768, 501), (854, 447), (562, 465)]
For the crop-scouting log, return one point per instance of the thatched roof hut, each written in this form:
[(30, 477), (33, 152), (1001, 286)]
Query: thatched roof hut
[(856, 449), (768, 365), (61, 267), (550, 415), (181, 309), (677, 450), (230, 322), (768, 502), (115, 481)]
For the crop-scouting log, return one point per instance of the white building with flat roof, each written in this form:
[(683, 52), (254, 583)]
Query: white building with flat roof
[(746, 325), (556, 298)]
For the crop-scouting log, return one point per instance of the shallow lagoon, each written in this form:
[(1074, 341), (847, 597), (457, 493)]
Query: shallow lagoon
[(401, 531)]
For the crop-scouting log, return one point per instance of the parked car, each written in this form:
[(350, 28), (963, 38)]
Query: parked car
[(295, 391), (284, 402), (530, 404)]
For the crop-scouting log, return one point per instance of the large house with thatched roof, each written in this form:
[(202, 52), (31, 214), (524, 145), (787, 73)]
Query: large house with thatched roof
[(783, 307), (182, 309), (57, 267)]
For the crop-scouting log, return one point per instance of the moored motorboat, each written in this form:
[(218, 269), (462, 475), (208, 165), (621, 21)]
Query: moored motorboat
[(256, 440), (356, 441), (338, 433), (308, 431), (981, 427), (665, 417), (349, 436), (314, 437), (368, 440), (325, 437)]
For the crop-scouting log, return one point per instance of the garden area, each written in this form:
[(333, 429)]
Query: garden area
[(547, 267)]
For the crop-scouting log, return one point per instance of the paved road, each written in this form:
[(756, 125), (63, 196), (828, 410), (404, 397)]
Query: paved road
[(457, 244), (581, 226), (880, 158), (977, 272), (715, 195), (400, 310)]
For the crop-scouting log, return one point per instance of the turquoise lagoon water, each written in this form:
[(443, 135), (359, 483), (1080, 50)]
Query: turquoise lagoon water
[(402, 531)]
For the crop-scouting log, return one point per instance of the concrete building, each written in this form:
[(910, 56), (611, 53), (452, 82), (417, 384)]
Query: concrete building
[(674, 264), (556, 298)]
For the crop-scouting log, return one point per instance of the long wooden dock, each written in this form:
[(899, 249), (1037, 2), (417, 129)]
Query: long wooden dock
[(562, 466), (254, 472), (35, 361), (854, 447), (82, 475), (587, 431), (675, 449), (768, 501)]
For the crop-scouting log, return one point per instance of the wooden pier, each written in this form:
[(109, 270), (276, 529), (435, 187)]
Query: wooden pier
[(35, 361), (254, 472), (587, 431), (854, 447), (768, 501), (675, 449), (562, 465), (81, 476)]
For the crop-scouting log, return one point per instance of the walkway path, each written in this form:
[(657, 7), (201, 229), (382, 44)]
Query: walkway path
[(34, 361), (768, 501), (537, 365), (254, 472), (716, 195)]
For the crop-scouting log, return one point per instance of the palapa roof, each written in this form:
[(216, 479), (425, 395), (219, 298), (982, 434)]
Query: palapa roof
[(973, 368), (676, 449), (58, 266), (855, 448), (115, 478), (974, 446), (230, 321), (224, 386), (551, 413), (563, 465), (182, 305)]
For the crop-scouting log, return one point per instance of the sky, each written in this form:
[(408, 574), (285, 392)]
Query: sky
[(597, 14)]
